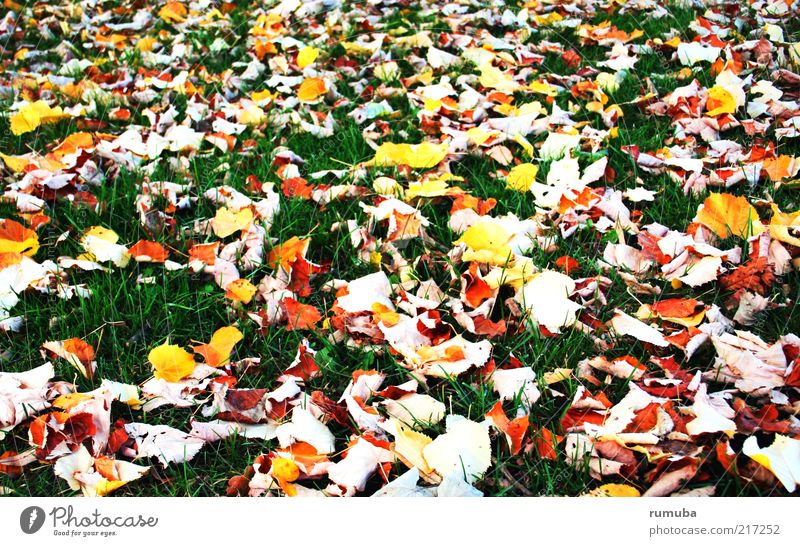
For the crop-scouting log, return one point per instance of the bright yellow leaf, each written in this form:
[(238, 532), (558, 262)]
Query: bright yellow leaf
[(108, 235), (285, 471), (146, 43), (614, 490), (226, 222), (171, 362), (30, 116), (521, 177), (417, 156), (487, 242), (306, 56), (494, 78), (431, 187), (16, 163), (720, 101)]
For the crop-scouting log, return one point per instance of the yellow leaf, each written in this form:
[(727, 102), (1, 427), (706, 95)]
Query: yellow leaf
[(227, 222), (16, 238), (30, 116), (408, 446), (479, 136), (727, 215), (263, 96), (171, 362), (543, 88), (146, 43), (781, 224), (311, 89), (431, 187), (16, 163), (68, 401), (494, 78), (285, 471), (782, 458), (526, 145), (614, 490), (241, 290), (720, 101), (173, 12), (306, 56), (218, 351), (487, 242), (100, 232), (104, 486), (432, 105), (417, 156), (521, 177)]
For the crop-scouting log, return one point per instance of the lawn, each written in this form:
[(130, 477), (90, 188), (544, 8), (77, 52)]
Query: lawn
[(265, 147)]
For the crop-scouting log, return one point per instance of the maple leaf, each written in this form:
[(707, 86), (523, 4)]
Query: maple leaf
[(756, 275), (727, 215), (227, 222)]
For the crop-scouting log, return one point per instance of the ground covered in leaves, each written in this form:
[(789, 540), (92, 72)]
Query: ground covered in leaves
[(399, 248)]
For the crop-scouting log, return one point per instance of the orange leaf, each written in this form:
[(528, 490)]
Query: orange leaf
[(311, 89), (205, 253), (73, 143), (14, 237), (567, 264), (513, 429), (218, 351), (477, 290), (148, 251), (675, 307), (296, 187), (781, 167), (173, 12), (300, 315), (287, 253), (727, 215)]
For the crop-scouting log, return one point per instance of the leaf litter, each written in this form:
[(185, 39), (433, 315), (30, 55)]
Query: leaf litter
[(513, 191)]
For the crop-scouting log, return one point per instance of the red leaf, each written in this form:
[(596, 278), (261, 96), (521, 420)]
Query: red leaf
[(300, 316)]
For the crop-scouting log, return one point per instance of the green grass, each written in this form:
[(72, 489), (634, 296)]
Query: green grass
[(124, 320)]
